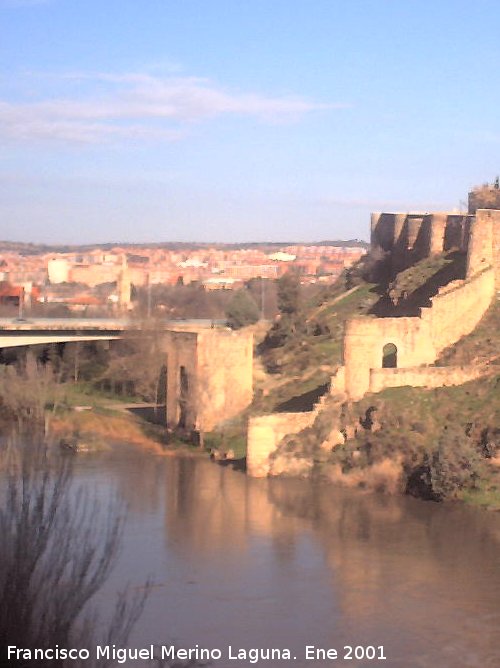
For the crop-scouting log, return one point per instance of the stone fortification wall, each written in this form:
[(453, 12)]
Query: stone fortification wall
[(455, 312), (480, 247), (381, 379), (410, 237), (457, 309), (415, 341), (265, 434), (365, 339), (209, 377), (496, 251), (484, 246)]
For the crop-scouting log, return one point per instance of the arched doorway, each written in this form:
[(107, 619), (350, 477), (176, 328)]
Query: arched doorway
[(389, 356)]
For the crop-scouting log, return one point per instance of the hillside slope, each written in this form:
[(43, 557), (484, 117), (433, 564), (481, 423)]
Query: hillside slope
[(436, 444)]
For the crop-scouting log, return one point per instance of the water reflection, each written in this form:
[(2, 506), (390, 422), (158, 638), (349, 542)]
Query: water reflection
[(286, 563), (422, 575), (210, 508)]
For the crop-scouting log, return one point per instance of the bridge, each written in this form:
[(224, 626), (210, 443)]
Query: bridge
[(36, 331), (208, 367)]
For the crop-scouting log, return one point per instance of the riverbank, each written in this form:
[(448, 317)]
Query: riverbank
[(402, 441), (101, 421)]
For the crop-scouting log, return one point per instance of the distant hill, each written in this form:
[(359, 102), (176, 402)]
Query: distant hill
[(26, 248)]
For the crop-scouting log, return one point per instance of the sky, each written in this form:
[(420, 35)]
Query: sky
[(241, 120)]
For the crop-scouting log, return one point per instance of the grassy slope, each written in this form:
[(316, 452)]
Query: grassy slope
[(308, 360), (106, 423), (411, 422)]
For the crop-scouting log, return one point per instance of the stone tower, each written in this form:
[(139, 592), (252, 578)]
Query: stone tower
[(124, 286), (486, 196)]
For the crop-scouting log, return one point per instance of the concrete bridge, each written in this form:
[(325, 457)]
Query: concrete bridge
[(207, 367), (36, 331)]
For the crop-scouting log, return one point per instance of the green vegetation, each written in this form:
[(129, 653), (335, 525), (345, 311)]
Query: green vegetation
[(486, 495), (37, 397), (242, 310), (289, 294), (311, 351), (228, 438), (435, 444)]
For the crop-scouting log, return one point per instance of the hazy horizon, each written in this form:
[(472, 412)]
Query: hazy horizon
[(188, 243)]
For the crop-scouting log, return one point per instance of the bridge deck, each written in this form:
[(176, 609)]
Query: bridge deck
[(38, 331)]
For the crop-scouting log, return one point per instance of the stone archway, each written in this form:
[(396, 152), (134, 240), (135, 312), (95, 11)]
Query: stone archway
[(389, 356)]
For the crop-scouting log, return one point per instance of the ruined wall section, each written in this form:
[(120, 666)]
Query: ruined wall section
[(427, 376), (265, 434), (209, 377), (225, 374), (485, 197), (455, 312)]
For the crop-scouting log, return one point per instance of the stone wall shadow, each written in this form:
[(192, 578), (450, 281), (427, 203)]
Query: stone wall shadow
[(302, 403), (410, 305)]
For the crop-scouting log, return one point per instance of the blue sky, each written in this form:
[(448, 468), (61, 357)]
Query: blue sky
[(241, 120)]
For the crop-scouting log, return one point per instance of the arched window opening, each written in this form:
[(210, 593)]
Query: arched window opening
[(389, 356), (161, 385), (183, 382), (183, 397)]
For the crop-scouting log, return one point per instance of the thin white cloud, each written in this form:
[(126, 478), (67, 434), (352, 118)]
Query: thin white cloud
[(140, 106)]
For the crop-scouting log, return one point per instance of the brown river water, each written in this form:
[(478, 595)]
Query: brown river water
[(275, 564)]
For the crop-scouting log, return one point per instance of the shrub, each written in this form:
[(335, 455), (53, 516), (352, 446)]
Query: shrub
[(242, 310), (455, 465)]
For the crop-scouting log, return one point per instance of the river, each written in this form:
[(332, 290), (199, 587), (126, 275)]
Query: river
[(280, 563)]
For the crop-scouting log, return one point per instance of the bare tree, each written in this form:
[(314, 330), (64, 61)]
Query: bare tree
[(31, 393), (137, 360), (57, 548)]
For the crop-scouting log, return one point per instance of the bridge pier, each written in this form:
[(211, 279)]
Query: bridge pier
[(208, 377)]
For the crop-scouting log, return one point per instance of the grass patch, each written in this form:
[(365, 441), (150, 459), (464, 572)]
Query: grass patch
[(487, 497), (86, 394), (232, 435), (106, 428)]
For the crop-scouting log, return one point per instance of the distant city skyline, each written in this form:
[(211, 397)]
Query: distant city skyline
[(232, 122)]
